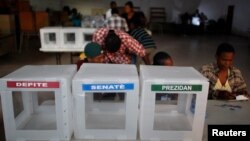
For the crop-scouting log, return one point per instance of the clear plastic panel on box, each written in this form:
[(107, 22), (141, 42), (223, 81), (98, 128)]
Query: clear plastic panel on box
[(173, 112), (87, 37), (105, 110), (69, 38), (50, 38), (34, 110)]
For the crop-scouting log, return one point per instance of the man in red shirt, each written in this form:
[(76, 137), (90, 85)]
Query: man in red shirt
[(118, 46)]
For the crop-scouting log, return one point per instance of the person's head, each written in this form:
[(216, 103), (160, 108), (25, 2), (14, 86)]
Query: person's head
[(112, 42), (74, 11), (163, 59), (114, 11), (93, 52), (66, 9), (225, 55), (113, 4), (129, 7), (197, 11)]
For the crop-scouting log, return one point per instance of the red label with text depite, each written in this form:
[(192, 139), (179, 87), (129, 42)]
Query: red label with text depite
[(32, 84)]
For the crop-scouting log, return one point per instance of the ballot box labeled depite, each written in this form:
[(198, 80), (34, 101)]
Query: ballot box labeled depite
[(36, 103), (106, 98), (173, 103)]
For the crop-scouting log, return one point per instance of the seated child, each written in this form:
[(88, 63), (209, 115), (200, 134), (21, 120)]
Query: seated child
[(92, 54), (163, 59)]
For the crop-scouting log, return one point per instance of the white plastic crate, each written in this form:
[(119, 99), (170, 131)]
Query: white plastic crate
[(70, 37), (50, 37), (168, 96), (65, 39), (37, 103), (106, 98), (86, 36)]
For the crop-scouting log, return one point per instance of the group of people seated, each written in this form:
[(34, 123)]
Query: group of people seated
[(129, 44)]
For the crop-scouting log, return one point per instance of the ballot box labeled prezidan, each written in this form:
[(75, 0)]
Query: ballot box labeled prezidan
[(173, 103), (37, 103), (106, 98)]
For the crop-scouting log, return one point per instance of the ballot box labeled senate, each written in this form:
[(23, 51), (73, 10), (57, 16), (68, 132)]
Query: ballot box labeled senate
[(37, 103), (106, 98), (173, 103)]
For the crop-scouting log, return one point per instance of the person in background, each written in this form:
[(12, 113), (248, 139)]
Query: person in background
[(65, 16), (134, 19), (116, 22), (226, 81), (162, 59), (75, 18), (142, 36), (118, 46), (109, 12), (92, 54)]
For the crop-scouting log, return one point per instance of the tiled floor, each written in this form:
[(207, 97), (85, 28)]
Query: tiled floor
[(185, 50)]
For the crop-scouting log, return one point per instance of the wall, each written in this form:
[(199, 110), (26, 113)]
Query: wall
[(173, 7), (215, 9), (41, 5)]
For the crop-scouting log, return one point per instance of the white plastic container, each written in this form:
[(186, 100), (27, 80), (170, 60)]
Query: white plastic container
[(99, 115), (65, 39), (50, 37), (86, 36), (166, 103), (70, 37), (37, 103)]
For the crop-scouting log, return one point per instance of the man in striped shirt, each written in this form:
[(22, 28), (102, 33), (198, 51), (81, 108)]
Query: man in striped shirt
[(141, 35)]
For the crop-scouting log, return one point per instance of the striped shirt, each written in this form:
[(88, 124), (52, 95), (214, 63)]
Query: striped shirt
[(235, 80), (143, 37)]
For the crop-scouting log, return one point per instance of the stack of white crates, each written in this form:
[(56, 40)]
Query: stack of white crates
[(65, 39), (106, 98), (37, 103), (168, 95)]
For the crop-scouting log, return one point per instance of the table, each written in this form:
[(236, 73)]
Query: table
[(217, 114), (227, 115), (59, 52), (222, 112)]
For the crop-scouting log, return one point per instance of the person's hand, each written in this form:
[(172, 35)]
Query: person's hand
[(225, 95)]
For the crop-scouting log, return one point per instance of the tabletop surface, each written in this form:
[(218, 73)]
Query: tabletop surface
[(221, 112)]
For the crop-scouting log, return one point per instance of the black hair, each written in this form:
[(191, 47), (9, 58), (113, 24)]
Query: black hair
[(66, 9), (130, 4), (224, 47), (114, 11), (74, 11), (160, 58), (112, 3), (112, 42)]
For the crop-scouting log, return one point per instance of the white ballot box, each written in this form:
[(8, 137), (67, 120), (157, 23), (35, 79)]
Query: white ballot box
[(70, 37), (65, 39), (106, 98), (37, 103), (50, 37), (168, 95), (86, 35)]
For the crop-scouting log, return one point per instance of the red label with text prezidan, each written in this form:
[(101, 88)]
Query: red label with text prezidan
[(32, 84)]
